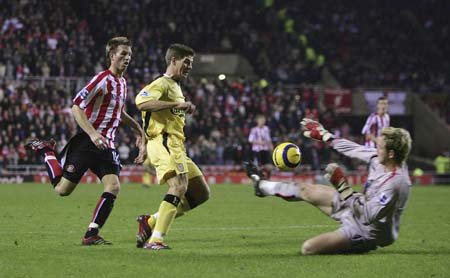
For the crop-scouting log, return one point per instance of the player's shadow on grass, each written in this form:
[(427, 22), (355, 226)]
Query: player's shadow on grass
[(413, 252)]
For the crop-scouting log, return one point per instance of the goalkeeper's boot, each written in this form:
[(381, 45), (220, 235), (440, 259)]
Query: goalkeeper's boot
[(95, 240), (156, 246), (255, 175), (144, 232), (40, 144), (335, 174)]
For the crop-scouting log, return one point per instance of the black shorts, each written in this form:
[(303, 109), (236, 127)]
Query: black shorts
[(263, 157), (80, 154)]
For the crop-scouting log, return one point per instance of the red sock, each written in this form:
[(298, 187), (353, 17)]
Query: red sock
[(53, 166)]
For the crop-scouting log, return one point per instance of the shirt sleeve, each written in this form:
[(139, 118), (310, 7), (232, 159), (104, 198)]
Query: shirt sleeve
[(368, 124), (93, 88), (251, 136), (380, 205), (154, 91), (353, 150)]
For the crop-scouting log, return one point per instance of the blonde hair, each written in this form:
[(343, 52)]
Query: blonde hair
[(113, 44), (398, 140)]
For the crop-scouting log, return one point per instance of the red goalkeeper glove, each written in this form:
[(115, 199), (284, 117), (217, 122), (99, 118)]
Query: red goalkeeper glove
[(335, 175), (314, 130)]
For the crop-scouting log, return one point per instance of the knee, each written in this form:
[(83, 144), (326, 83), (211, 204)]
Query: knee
[(179, 189), (113, 188), (307, 248), (62, 192)]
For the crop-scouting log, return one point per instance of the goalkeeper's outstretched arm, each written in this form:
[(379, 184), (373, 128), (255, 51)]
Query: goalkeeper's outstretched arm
[(314, 130)]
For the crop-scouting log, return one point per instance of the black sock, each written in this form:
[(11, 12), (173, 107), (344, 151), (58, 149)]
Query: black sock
[(102, 210)]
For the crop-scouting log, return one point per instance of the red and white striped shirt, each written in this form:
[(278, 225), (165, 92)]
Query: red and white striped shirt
[(103, 101), (260, 139), (374, 125)]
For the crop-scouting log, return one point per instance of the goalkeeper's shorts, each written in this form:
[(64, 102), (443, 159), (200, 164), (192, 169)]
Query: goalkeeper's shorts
[(360, 236)]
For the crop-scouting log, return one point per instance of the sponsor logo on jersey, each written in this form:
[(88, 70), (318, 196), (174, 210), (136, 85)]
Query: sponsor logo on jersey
[(178, 112), (84, 93), (383, 199)]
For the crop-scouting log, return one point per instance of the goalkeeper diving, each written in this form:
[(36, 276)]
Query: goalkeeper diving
[(369, 219)]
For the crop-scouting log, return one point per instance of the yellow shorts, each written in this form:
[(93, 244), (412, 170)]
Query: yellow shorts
[(167, 164)]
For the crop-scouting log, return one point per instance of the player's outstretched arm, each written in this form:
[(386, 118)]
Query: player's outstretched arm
[(156, 105), (140, 137), (314, 130)]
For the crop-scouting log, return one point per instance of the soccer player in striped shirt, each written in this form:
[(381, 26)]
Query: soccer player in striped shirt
[(262, 145), (98, 109), (376, 122), (369, 219)]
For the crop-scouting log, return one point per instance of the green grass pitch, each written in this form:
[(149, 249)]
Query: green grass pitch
[(233, 235)]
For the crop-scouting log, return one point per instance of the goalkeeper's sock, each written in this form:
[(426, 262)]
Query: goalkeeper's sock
[(167, 211), (289, 191)]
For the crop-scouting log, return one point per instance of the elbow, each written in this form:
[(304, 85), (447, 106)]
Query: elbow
[(142, 107)]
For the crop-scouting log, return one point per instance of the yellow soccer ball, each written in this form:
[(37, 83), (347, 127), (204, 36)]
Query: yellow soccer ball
[(286, 156)]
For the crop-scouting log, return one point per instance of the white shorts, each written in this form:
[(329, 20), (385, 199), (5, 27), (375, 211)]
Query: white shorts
[(361, 236)]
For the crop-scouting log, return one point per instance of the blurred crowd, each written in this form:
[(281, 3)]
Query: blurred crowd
[(216, 134), (362, 44)]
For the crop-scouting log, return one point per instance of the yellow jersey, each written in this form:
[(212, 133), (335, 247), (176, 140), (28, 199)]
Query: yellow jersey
[(166, 121)]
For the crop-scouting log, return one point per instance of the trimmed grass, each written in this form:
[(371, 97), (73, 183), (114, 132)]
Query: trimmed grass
[(233, 235)]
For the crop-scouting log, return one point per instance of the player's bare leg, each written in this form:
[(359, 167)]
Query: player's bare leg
[(197, 192), (102, 210), (327, 243), (318, 195), (65, 187)]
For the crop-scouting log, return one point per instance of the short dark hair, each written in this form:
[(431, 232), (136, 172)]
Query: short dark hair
[(382, 98), (178, 51), (113, 44)]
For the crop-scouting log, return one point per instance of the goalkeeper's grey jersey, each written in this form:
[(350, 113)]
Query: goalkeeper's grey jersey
[(385, 193)]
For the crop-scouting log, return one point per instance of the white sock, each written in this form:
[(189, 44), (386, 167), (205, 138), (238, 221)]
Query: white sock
[(285, 190)]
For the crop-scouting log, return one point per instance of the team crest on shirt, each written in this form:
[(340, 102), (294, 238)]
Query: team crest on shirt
[(70, 168), (180, 167)]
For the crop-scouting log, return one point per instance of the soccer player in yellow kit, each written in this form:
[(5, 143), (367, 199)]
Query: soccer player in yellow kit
[(163, 109)]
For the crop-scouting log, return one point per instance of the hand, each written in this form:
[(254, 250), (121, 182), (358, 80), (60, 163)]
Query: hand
[(99, 141), (335, 174), (140, 143), (314, 130), (188, 107)]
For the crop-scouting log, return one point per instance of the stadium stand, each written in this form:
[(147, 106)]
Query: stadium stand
[(285, 42)]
